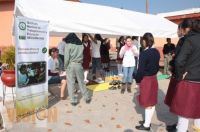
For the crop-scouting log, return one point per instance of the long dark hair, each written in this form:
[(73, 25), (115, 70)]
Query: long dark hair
[(187, 23), (149, 39), (83, 36), (196, 25), (128, 37), (98, 37), (54, 49), (120, 39), (73, 39)]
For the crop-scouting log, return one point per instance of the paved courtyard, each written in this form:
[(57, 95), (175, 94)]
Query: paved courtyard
[(109, 111)]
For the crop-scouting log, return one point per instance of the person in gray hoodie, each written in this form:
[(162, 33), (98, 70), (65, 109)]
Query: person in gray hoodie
[(73, 59)]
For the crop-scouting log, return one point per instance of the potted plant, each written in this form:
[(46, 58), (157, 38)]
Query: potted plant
[(8, 67)]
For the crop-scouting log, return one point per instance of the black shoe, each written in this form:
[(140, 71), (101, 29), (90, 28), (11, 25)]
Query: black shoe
[(122, 91), (129, 90), (142, 127), (141, 122), (112, 88), (88, 101), (171, 127), (114, 82), (119, 87), (117, 82), (107, 70), (74, 104), (173, 130)]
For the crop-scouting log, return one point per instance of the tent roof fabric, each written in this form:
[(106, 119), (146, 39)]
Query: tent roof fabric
[(66, 17)]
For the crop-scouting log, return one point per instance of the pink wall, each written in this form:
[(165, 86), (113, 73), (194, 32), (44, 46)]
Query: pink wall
[(6, 15), (6, 21)]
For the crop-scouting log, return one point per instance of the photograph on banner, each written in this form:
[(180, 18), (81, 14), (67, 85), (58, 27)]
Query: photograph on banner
[(32, 38), (31, 73)]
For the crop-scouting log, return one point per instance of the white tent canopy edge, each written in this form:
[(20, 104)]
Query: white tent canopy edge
[(66, 17)]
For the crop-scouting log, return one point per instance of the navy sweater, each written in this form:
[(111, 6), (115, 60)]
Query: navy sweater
[(148, 63)]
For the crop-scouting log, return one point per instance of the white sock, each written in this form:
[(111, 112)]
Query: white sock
[(85, 74), (119, 68), (182, 125), (197, 123), (148, 116)]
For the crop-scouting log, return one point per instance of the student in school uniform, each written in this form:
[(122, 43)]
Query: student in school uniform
[(86, 56), (186, 102), (146, 76), (182, 33), (104, 51), (120, 44), (96, 58), (173, 81)]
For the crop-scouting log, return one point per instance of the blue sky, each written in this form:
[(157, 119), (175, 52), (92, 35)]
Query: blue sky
[(155, 6)]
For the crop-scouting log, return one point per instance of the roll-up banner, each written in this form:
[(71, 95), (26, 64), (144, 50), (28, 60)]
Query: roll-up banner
[(32, 38)]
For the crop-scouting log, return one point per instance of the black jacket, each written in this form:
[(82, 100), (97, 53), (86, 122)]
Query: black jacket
[(188, 59), (168, 48), (177, 50)]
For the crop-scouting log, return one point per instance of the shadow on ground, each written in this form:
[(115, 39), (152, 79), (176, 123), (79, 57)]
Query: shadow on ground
[(128, 130)]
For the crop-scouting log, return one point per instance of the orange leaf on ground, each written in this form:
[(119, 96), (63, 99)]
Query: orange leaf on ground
[(112, 118), (69, 111), (87, 121), (68, 124), (49, 130), (161, 130), (118, 126)]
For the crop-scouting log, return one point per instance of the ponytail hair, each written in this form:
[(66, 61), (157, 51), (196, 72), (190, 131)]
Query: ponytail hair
[(196, 25)]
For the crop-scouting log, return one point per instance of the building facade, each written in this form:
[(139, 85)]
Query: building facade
[(179, 16)]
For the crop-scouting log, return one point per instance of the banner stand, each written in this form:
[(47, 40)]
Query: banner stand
[(32, 38)]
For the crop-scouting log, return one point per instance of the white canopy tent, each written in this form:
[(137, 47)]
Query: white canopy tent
[(65, 17)]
